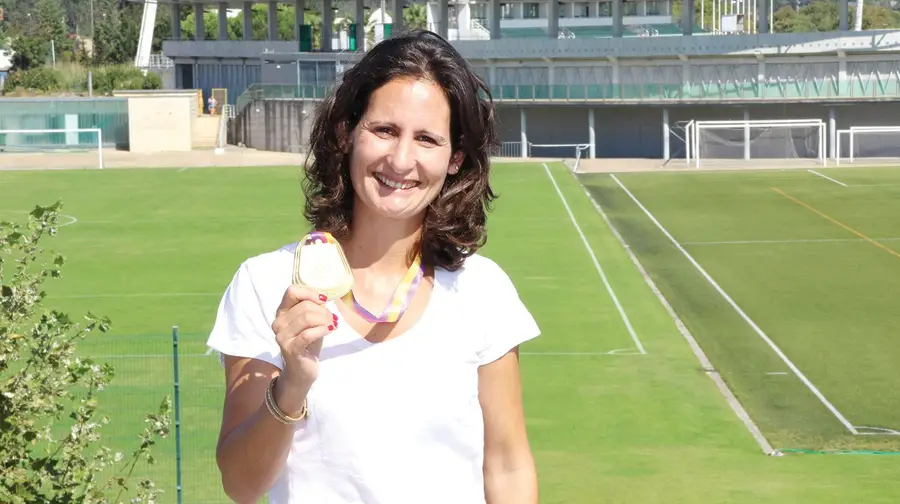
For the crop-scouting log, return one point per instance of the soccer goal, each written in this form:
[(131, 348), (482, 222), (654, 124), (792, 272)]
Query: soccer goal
[(869, 142), (13, 141), (571, 154), (740, 142)]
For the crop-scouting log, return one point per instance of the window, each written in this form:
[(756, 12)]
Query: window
[(479, 12), (656, 8), (452, 17), (506, 11), (531, 10), (605, 9), (582, 10), (563, 10), (629, 8)]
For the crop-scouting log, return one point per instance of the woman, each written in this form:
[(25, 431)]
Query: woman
[(325, 401)]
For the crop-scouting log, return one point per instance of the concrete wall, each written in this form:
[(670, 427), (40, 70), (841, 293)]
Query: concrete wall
[(273, 125), (624, 131), (159, 122)]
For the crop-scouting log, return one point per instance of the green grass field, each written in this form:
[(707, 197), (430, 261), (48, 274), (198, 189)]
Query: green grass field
[(616, 412)]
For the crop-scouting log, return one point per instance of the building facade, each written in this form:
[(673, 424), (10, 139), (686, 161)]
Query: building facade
[(599, 81)]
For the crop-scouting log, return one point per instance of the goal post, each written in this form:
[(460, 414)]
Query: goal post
[(740, 141), (567, 152), (52, 140), (870, 142)]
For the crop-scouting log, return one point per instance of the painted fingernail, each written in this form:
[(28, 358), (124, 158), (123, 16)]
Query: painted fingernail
[(331, 328), (322, 297), (334, 315)]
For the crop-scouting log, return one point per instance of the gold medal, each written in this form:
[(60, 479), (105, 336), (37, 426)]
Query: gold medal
[(320, 265)]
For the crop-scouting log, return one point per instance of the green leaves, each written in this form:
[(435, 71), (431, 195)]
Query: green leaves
[(50, 433)]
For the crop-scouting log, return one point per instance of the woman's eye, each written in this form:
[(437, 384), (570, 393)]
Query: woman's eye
[(427, 139)]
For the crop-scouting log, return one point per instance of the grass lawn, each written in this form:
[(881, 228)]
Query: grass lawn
[(617, 411)]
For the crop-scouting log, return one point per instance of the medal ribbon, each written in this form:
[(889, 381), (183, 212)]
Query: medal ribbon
[(402, 296)]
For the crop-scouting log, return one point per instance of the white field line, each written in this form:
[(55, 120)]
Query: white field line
[(826, 177), (705, 363), (743, 315), (587, 245), (801, 240)]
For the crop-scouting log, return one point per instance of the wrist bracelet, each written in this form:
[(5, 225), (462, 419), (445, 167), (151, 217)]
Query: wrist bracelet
[(276, 412)]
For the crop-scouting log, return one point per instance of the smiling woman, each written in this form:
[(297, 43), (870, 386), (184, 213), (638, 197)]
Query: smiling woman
[(328, 402)]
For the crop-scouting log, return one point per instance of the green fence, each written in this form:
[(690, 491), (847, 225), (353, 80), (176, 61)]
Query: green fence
[(145, 373), (861, 89), (110, 115)]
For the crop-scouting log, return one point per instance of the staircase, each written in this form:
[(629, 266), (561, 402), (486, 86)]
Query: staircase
[(206, 132)]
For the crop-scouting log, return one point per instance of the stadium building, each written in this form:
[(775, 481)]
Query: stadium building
[(607, 79)]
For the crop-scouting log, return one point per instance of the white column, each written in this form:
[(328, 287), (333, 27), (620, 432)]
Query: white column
[(272, 18), (359, 18), (524, 137), (223, 21), (665, 126), (248, 20), (495, 19), (327, 22), (592, 152), (299, 6), (617, 20), (747, 134), (443, 22), (176, 21), (397, 18), (553, 19), (832, 134), (199, 25)]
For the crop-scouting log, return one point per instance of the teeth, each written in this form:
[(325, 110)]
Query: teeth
[(392, 184)]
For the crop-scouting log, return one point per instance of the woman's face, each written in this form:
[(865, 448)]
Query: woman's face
[(401, 150)]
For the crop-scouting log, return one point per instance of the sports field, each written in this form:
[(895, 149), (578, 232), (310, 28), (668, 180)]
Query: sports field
[(784, 279)]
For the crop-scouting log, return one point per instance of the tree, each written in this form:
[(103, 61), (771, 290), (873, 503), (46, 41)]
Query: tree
[(822, 16), (45, 385), (415, 17), (52, 24), (29, 52)]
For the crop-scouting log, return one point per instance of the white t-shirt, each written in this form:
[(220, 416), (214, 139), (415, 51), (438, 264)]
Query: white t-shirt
[(397, 422)]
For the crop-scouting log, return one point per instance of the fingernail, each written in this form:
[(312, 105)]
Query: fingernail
[(322, 297), (335, 316), (331, 328)]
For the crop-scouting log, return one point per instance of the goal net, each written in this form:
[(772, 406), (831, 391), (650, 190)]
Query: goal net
[(23, 141), (571, 154), (868, 142), (758, 142)]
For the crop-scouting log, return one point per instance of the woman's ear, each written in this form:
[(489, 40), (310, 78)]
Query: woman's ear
[(455, 163)]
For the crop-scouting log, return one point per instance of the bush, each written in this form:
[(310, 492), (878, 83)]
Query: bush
[(72, 78), (42, 79), (45, 385), (152, 81), (123, 77)]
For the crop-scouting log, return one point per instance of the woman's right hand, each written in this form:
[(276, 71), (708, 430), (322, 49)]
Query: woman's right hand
[(301, 322)]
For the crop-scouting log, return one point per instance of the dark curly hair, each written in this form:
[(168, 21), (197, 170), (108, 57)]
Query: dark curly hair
[(455, 221)]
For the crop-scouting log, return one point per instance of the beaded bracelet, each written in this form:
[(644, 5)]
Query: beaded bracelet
[(276, 412)]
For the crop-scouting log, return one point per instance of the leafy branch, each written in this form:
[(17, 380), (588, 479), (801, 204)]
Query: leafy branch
[(46, 388)]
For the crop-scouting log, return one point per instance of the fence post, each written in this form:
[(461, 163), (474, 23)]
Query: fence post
[(177, 414)]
